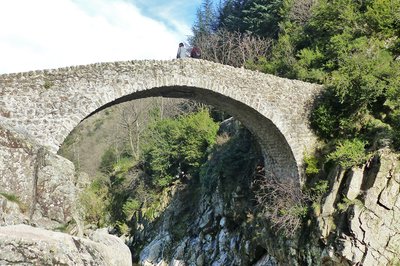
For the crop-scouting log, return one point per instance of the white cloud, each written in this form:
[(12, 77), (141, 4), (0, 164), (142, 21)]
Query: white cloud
[(48, 34)]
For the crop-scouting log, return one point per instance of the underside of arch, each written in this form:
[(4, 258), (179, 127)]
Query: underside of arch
[(279, 158)]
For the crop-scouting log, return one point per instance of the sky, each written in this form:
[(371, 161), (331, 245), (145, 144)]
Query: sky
[(45, 34)]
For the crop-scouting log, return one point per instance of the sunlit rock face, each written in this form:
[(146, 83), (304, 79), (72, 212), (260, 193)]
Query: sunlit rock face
[(358, 222), (42, 182), (26, 245), (367, 228)]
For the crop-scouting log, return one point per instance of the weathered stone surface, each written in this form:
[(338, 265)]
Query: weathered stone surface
[(49, 104), (266, 261), (42, 181), (56, 192), (389, 194), (17, 164), (26, 245), (152, 254), (374, 225), (353, 186), (10, 213)]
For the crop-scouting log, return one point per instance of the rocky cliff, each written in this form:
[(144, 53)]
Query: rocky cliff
[(26, 245), (211, 221), (360, 217), (39, 191), (356, 222)]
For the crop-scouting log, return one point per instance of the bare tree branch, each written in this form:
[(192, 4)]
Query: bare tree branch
[(233, 48), (282, 202)]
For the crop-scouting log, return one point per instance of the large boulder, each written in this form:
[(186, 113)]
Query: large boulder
[(41, 181), (26, 245)]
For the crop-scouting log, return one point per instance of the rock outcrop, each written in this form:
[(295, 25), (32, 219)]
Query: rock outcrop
[(26, 245), (43, 182), (40, 188), (367, 228), (358, 223)]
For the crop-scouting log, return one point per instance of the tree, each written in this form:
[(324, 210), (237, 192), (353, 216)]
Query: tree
[(205, 23), (230, 15), (233, 48), (262, 17), (133, 121), (177, 146)]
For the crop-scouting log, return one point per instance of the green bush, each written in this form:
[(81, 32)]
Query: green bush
[(311, 165), (108, 160), (346, 203), (95, 200), (235, 157), (123, 165), (178, 145), (130, 207), (349, 153)]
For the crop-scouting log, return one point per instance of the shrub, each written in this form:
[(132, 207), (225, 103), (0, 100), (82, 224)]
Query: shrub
[(311, 165), (177, 147), (349, 153), (130, 207), (10, 197), (95, 201), (346, 203), (283, 203), (108, 160)]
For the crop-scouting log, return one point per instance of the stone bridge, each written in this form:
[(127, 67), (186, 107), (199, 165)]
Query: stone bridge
[(45, 106)]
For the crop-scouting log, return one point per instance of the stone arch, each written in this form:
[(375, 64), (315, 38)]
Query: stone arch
[(276, 150), (49, 104)]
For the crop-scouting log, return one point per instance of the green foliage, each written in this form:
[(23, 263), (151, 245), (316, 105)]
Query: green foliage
[(108, 160), (234, 157), (130, 207), (95, 200), (123, 228), (178, 145), (361, 77), (205, 22), (263, 17), (324, 118), (311, 165), (352, 53), (16, 199), (349, 153), (346, 203), (283, 60), (123, 165), (320, 188), (316, 192), (296, 210), (383, 16), (309, 66), (10, 197), (48, 84)]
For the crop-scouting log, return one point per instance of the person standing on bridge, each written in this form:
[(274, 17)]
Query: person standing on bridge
[(181, 51), (195, 53)]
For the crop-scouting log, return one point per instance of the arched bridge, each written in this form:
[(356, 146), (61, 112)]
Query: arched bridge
[(47, 105)]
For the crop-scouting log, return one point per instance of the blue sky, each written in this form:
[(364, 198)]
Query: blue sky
[(42, 34)]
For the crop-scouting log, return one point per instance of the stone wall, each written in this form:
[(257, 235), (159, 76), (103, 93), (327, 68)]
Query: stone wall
[(48, 104)]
